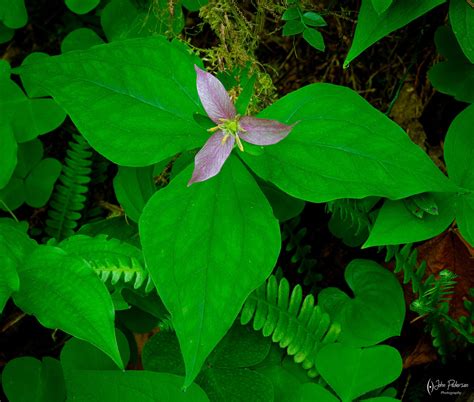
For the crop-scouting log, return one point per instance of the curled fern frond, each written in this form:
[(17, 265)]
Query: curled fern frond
[(69, 196), (116, 262), (293, 322)]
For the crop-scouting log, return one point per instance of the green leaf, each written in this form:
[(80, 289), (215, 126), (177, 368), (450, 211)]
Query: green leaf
[(80, 355), (461, 15), (40, 182), (375, 313), (8, 152), (80, 39), (314, 392), (465, 216), (6, 34), (314, 38), (194, 5), (352, 372), (12, 195), (28, 379), (395, 224), (64, 292), (224, 376), (122, 96), (380, 6), (459, 149), (455, 76), (82, 6), (223, 222), (342, 147), (291, 14), (125, 19), (130, 386), (29, 155), (284, 206), (9, 281), (313, 19), (293, 27), (372, 26), (133, 188), (13, 13)]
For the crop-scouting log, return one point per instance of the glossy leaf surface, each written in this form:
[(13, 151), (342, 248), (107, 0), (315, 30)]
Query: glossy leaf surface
[(216, 243)]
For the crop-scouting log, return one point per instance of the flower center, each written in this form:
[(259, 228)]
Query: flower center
[(230, 127)]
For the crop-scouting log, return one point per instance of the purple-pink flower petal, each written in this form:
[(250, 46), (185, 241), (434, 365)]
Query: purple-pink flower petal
[(214, 97), (209, 160), (262, 131)]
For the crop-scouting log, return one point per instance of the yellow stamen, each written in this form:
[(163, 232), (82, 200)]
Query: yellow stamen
[(225, 138), (239, 143)]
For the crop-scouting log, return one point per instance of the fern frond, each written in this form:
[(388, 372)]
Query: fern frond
[(406, 261), (69, 196), (293, 322), (115, 262), (354, 213)]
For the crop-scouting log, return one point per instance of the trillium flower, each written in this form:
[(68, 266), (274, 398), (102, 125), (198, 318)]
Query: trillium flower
[(231, 129)]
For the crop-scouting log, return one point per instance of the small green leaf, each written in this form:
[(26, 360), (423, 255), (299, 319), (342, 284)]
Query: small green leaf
[(381, 5), (13, 13), (64, 292), (395, 224), (372, 26), (314, 38), (80, 39), (6, 34), (314, 392), (82, 6), (313, 19), (133, 188), (39, 183), (455, 76), (28, 379), (9, 281), (352, 372), (461, 15), (465, 216), (293, 27), (375, 313), (223, 222), (291, 14)]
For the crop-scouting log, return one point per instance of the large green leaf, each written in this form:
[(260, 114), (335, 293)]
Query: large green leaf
[(381, 5), (13, 13), (459, 149), (352, 372), (28, 379), (216, 243), (395, 224), (372, 26), (465, 216), (64, 292), (133, 100), (9, 281), (461, 15), (130, 386), (377, 310), (342, 148), (455, 76)]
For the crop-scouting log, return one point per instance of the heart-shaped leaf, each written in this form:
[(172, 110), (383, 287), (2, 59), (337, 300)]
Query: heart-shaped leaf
[(352, 372), (375, 313), (216, 243), (461, 15)]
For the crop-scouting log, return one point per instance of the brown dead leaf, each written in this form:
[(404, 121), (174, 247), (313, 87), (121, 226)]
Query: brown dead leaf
[(422, 353)]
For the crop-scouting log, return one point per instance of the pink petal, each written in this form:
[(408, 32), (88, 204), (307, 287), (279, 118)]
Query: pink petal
[(262, 131), (214, 97), (209, 160)]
